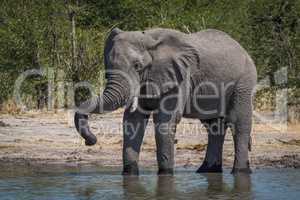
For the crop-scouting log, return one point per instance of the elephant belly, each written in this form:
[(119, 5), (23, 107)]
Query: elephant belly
[(203, 108), (208, 99), (149, 104)]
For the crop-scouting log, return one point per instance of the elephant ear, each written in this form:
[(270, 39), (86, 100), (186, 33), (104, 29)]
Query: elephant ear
[(115, 31), (181, 68), (167, 74), (182, 63), (149, 42)]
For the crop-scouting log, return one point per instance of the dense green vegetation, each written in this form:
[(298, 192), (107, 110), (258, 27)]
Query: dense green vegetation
[(65, 38)]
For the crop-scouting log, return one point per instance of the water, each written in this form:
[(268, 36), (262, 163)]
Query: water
[(103, 183)]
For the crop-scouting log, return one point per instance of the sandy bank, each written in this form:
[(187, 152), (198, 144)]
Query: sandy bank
[(45, 138)]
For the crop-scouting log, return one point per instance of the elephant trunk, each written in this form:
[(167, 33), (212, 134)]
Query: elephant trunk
[(115, 95)]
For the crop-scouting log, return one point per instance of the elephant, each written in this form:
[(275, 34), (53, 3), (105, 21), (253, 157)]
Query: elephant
[(170, 75)]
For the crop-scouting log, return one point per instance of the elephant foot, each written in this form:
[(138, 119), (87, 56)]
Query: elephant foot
[(131, 169), (245, 169), (205, 168), (169, 171), (241, 170)]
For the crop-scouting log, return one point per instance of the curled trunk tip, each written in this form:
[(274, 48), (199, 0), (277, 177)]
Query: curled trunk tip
[(81, 124)]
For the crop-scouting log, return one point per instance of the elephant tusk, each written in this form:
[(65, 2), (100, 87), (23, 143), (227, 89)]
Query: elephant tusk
[(134, 104)]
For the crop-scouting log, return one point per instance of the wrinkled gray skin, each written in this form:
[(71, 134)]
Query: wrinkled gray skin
[(160, 56)]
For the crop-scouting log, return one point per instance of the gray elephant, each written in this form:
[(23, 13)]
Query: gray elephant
[(170, 74)]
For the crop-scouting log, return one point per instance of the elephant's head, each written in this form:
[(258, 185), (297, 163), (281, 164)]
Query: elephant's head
[(130, 58)]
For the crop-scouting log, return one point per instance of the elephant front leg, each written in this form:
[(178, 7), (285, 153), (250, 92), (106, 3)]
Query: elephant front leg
[(165, 121), (134, 125), (165, 129), (213, 159), (165, 137)]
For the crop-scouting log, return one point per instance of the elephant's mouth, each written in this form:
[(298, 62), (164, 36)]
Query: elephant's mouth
[(147, 91), (150, 90), (133, 104)]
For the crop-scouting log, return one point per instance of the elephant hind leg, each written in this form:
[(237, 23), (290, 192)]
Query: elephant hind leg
[(241, 116), (216, 130)]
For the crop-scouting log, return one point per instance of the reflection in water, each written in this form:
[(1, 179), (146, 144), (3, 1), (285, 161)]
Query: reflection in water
[(241, 186), (87, 192), (133, 188), (242, 182), (93, 184), (166, 188), (215, 184)]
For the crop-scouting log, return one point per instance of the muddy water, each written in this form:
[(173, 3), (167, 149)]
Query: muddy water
[(105, 183)]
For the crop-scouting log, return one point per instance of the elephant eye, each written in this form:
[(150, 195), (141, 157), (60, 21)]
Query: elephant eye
[(137, 66)]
